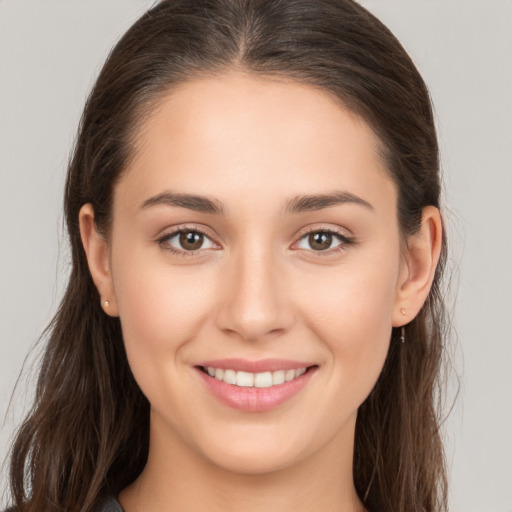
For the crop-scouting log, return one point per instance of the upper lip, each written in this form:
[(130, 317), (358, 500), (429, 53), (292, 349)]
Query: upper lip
[(259, 366)]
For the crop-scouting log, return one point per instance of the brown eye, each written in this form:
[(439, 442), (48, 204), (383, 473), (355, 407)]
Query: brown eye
[(185, 241), (191, 240), (324, 241), (320, 240)]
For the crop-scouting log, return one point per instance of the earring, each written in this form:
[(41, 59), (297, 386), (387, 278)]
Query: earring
[(106, 303), (402, 329)]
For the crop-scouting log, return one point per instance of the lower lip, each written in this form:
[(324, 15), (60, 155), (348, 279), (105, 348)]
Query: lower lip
[(255, 399)]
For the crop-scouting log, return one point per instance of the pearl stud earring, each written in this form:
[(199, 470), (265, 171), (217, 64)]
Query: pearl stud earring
[(106, 303)]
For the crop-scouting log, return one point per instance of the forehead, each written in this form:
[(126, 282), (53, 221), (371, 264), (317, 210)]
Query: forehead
[(256, 137)]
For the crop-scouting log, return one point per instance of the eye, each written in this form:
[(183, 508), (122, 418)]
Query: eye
[(186, 240), (323, 240)]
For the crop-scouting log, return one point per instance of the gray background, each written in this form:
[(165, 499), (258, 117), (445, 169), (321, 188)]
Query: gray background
[(50, 52)]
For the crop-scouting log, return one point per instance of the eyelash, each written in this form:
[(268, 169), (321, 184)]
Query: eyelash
[(168, 236), (342, 237)]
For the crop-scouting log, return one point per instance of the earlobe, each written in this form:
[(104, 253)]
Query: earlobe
[(97, 252), (421, 258)]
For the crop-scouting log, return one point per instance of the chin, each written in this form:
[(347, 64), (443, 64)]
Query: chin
[(253, 462), (262, 450)]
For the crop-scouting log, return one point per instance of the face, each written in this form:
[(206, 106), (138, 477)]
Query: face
[(255, 236)]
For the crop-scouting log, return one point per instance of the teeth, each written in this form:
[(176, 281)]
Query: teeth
[(245, 379), (263, 380), (299, 372), (230, 376), (277, 377), (257, 380)]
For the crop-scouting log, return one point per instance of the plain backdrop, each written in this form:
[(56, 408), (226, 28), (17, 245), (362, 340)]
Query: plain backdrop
[(50, 53)]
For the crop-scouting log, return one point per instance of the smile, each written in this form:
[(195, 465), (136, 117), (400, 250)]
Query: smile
[(257, 380), (255, 386)]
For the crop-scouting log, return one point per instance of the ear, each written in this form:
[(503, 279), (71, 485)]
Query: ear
[(97, 253), (420, 259)]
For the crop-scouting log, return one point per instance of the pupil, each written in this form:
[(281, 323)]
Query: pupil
[(191, 240), (320, 241)]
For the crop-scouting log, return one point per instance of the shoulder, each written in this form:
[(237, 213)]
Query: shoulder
[(109, 504)]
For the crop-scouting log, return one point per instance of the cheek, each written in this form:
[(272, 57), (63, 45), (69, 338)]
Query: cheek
[(353, 301), (350, 310), (160, 306), (161, 309)]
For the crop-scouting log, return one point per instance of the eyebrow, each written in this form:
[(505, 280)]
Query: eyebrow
[(190, 201), (319, 201), (297, 204)]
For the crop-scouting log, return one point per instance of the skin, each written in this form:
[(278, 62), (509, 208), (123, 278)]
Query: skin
[(256, 289)]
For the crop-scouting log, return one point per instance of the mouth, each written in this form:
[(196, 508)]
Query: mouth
[(271, 384), (257, 380)]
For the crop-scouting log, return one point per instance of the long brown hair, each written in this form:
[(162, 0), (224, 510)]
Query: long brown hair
[(87, 434)]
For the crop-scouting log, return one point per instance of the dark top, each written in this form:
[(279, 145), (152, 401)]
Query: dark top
[(109, 504)]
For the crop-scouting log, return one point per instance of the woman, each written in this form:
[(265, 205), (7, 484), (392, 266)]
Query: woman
[(253, 318)]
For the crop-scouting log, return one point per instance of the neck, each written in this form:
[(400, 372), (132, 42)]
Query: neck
[(177, 478)]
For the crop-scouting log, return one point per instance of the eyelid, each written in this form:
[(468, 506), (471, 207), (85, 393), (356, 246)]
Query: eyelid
[(167, 235), (345, 238)]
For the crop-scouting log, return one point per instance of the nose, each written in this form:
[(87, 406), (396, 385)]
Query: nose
[(255, 303)]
